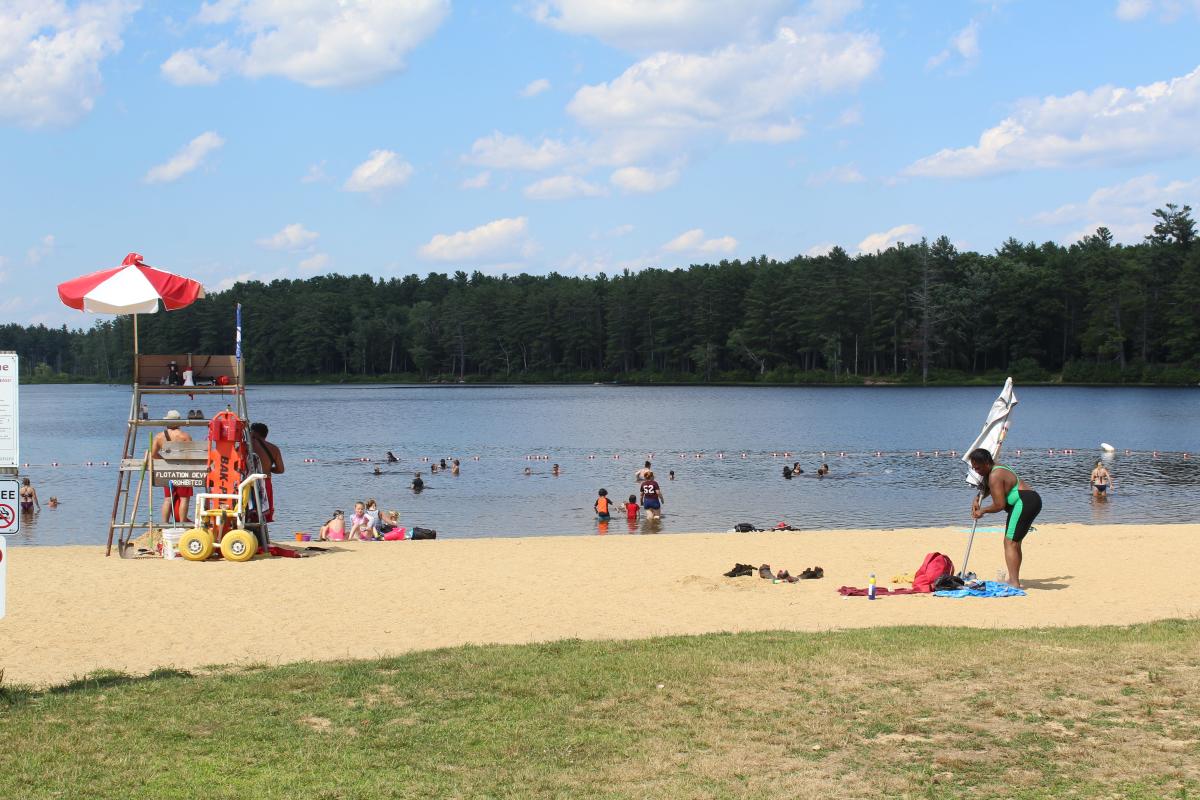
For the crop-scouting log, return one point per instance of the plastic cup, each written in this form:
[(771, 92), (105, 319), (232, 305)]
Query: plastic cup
[(299, 536)]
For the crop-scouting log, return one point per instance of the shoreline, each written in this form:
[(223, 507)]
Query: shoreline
[(71, 611)]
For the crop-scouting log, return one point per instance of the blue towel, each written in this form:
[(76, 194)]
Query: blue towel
[(987, 589)]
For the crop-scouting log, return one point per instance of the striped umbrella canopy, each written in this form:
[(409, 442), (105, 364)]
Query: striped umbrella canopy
[(132, 288)]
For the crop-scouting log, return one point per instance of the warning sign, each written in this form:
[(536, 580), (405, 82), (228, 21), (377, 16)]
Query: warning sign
[(10, 520)]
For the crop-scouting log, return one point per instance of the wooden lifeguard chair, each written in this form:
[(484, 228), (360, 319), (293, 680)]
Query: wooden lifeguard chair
[(179, 463)]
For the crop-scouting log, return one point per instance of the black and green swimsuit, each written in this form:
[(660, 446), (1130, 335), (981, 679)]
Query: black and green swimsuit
[(1022, 507)]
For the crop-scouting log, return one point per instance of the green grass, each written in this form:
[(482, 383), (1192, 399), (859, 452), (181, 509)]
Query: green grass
[(898, 712)]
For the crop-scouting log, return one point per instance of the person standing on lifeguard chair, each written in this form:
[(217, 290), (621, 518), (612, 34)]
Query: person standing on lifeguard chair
[(270, 461)]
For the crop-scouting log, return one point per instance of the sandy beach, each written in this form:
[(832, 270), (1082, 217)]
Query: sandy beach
[(71, 610)]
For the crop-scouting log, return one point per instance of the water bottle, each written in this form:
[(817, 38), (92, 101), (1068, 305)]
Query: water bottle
[(871, 587)]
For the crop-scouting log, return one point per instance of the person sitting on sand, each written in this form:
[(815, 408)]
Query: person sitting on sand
[(1101, 480), (359, 522), (388, 528), (652, 497), (335, 529), (603, 506), (372, 512), (417, 483), (1012, 495)]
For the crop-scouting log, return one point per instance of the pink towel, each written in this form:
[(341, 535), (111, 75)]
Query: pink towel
[(880, 591)]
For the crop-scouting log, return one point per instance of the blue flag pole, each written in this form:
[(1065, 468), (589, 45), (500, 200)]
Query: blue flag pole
[(238, 339)]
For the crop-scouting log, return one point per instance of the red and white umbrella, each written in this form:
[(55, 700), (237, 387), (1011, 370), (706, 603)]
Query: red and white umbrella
[(132, 288)]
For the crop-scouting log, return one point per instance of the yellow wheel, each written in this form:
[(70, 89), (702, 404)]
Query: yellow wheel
[(196, 545), (239, 545)]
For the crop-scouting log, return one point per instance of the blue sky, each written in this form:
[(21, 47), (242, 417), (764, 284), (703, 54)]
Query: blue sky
[(261, 139)]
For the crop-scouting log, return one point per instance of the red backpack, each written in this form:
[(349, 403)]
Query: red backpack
[(933, 567)]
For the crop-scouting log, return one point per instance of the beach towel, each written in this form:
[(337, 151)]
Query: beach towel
[(880, 591), (984, 589)]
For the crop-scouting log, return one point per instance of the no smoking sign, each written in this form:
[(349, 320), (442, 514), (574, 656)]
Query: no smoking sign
[(10, 520)]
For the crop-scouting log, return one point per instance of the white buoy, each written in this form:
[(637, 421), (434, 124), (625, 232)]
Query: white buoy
[(1108, 448)]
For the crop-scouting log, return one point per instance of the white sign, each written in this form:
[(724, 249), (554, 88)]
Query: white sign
[(10, 501), (3, 572), (10, 452)]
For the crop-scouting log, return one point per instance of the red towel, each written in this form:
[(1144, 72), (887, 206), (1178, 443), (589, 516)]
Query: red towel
[(850, 591)]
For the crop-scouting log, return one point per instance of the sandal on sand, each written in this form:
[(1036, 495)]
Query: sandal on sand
[(812, 573), (764, 572), (739, 570)]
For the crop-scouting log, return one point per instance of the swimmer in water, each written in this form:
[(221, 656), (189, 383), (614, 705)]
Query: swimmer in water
[(391, 457), (28, 496)]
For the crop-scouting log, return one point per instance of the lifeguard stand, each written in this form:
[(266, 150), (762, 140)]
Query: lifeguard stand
[(180, 463)]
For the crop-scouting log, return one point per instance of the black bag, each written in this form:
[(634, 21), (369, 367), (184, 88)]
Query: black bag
[(948, 582), (423, 533), (744, 527)]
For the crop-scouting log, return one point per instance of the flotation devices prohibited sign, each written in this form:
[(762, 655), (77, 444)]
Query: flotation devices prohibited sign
[(10, 520)]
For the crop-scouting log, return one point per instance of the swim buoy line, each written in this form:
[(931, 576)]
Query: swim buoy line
[(719, 455)]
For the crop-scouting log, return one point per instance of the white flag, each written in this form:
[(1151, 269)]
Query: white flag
[(994, 430)]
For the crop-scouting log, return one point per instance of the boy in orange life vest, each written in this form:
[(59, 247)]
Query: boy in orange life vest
[(603, 506)]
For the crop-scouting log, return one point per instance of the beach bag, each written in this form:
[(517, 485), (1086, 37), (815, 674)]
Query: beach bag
[(423, 533), (744, 527), (933, 567)]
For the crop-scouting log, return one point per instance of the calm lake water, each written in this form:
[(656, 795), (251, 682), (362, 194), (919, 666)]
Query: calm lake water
[(582, 428)]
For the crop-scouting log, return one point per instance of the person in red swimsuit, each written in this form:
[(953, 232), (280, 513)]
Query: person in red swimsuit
[(176, 499)]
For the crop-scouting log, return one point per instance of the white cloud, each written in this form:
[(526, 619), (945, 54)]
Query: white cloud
[(479, 181), (965, 44), (614, 233), (315, 263), (675, 25), (693, 241), (43, 249), (201, 67), (498, 240), (3, 269), (732, 88), (534, 88), (1107, 126), (819, 249), (315, 174), (513, 152), (191, 156), (771, 133), (1125, 208), (885, 239), (290, 237), (561, 187), (50, 57), (318, 44), (1168, 10), (640, 180), (850, 117), (383, 169), (229, 282), (845, 173), (1129, 10)]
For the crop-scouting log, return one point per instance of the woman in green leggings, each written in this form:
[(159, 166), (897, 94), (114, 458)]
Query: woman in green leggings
[(1009, 493)]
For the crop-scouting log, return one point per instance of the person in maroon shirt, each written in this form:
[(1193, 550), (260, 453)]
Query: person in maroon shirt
[(652, 497)]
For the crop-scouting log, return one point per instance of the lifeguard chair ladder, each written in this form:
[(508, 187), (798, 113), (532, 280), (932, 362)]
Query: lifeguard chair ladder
[(179, 465)]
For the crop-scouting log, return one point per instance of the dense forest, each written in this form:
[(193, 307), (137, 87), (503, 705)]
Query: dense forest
[(1095, 311)]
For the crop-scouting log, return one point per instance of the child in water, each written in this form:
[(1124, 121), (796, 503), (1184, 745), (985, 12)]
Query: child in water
[(603, 506), (632, 508), (335, 529)]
